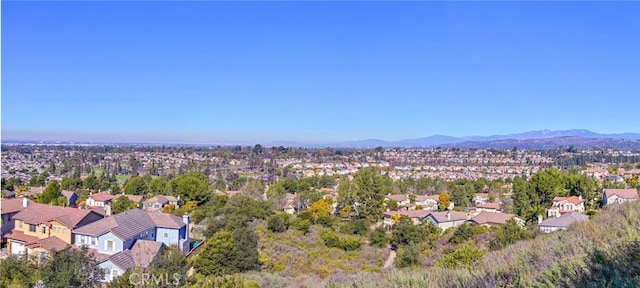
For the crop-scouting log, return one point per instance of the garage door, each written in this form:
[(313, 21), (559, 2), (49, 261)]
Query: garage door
[(17, 248)]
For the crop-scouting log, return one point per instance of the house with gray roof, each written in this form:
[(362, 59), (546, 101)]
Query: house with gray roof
[(142, 254), (563, 222), (121, 231)]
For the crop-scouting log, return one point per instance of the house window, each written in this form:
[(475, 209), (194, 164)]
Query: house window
[(20, 224), (93, 241), (32, 228), (115, 273), (64, 230), (166, 234), (110, 245), (44, 229), (82, 239)]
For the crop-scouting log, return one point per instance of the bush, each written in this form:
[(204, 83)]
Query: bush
[(348, 243), (465, 231), (379, 237), (301, 225), (278, 223), (408, 256)]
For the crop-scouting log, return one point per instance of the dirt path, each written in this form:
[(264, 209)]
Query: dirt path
[(390, 259)]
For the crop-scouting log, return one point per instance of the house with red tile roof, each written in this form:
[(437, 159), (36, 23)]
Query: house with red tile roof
[(100, 199), (563, 205), (489, 207), (612, 196), (9, 208), (494, 219), (39, 228)]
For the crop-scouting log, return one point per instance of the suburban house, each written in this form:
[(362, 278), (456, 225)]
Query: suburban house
[(9, 208), (100, 199), (399, 198), (489, 207), (417, 216), (71, 197), (120, 231), (6, 194), (485, 218), (141, 254), (619, 196), (39, 228), (563, 205), (158, 202), (428, 202), (481, 198), (135, 198), (289, 203), (562, 222), (447, 219), (32, 191)]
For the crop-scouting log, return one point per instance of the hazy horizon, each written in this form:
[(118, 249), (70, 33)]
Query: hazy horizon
[(316, 72)]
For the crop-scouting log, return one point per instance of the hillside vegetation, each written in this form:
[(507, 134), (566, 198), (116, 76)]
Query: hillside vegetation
[(603, 252)]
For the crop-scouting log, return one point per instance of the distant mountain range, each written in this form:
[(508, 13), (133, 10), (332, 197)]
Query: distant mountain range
[(580, 138), (541, 139)]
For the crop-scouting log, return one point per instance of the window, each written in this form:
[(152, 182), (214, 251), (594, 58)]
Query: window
[(109, 245), (44, 229), (20, 224), (93, 241), (64, 230), (115, 273), (32, 228), (82, 239), (166, 234)]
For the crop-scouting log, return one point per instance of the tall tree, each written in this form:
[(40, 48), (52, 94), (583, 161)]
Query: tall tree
[(218, 256), (370, 188)]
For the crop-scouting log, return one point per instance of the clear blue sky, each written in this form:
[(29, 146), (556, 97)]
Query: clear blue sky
[(316, 71)]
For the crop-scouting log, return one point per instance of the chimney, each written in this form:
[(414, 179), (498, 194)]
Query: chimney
[(25, 202), (107, 209), (186, 219), (448, 214)]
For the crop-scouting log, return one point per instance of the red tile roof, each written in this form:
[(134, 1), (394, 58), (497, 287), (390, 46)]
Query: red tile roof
[(485, 217), (102, 197), (36, 213), (622, 193), (11, 205), (572, 199), (20, 236)]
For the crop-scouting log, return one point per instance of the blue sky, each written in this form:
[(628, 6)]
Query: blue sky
[(316, 71)]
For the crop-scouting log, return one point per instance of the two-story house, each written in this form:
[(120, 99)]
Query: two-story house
[(9, 208), (620, 196), (563, 205), (120, 231), (100, 199), (158, 202), (39, 228), (141, 254)]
